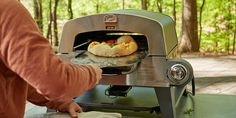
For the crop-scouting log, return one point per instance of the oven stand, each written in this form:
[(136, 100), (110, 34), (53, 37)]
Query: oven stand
[(168, 99)]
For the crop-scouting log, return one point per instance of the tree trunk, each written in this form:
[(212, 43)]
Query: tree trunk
[(70, 11), (56, 42), (234, 40), (234, 32), (49, 32), (200, 22), (144, 4), (159, 5), (123, 4), (174, 10), (189, 34), (97, 6), (38, 13)]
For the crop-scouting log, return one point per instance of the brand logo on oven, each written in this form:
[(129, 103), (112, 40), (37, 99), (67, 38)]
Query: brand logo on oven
[(110, 21)]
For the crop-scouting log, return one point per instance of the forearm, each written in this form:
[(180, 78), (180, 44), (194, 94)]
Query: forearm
[(38, 99)]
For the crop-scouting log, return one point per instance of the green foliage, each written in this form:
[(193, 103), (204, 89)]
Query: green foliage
[(218, 18), (218, 25)]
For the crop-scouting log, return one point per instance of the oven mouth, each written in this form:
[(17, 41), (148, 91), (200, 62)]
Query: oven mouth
[(109, 65), (82, 40)]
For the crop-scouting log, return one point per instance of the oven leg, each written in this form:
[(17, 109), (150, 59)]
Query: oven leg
[(165, 96)]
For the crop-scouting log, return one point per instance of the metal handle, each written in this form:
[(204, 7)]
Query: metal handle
[(83, 44)]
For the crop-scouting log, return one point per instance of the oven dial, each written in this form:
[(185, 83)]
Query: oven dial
[(178, 72)]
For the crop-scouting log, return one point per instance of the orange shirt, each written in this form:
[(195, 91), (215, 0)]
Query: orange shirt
[(28, 66)]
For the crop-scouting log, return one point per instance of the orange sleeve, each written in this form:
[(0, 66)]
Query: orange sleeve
[(26, 52), (34, 97)]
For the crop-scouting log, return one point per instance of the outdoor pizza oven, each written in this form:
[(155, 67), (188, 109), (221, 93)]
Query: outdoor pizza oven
[(151, 66)]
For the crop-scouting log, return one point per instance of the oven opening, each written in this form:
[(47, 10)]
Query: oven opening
[(110, 65), (82, 40)]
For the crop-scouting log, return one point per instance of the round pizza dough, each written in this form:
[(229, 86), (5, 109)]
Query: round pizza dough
[(124, 45)]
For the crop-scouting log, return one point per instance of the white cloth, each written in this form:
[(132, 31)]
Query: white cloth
[(98, 114), (90, 114)]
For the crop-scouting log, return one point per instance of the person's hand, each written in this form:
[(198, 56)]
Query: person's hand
[(98, 72), (72, 108)]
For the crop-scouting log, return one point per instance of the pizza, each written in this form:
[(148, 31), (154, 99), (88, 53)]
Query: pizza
[(124, 45)]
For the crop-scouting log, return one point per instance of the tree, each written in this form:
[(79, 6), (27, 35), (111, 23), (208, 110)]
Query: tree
[(97, 6), (189, 34), (174, 10), (69, 9), (159, 5), (55, 29), (49, 32), (200, 21), (144, 4), (234, 40), (123, 4), (38, 13)]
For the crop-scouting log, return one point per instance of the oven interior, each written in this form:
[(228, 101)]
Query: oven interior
[(100, 36), (110, 65)]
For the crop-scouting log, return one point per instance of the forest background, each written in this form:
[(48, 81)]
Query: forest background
[(205, 26)]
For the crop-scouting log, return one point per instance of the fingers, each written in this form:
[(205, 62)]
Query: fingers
[(74, 109)]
